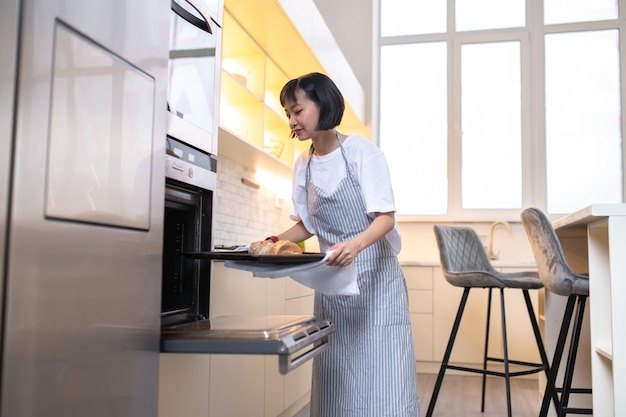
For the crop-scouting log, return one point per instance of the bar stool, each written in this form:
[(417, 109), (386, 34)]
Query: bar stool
[(465, 264), (558, 278)]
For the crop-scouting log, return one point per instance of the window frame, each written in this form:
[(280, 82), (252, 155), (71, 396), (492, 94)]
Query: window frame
[(531, 38)]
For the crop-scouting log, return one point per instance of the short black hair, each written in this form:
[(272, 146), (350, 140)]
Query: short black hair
[(322, 91)]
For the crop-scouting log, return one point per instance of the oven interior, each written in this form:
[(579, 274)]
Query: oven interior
[(185, 292)]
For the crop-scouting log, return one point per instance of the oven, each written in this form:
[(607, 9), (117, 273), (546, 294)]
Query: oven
[(189, 187), (190, 183), (186, 323)]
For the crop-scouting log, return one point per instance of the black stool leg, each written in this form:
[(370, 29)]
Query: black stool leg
[(556, 360), (446, 356), (539, 340), (507, 372), (571, 359), (486, 351)]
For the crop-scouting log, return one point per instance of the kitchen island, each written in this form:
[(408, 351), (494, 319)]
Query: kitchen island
[(595, 238)]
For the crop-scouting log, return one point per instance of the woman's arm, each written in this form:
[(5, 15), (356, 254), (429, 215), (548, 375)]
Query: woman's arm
[(296, 233), (345, 252)]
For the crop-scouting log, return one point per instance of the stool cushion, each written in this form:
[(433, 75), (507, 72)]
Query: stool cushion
[(464, 262), (553, 269), (528, 280)]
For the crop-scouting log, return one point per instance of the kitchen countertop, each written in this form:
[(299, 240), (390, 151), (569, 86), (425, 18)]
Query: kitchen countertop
[(496, 264)]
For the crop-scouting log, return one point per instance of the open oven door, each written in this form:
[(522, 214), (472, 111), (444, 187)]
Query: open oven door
[(295, 339)]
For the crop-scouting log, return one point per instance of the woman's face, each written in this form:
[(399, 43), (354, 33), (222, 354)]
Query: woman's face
[(303, 115)]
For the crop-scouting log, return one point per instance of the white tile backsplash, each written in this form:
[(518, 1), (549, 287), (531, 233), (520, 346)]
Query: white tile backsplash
[(242, 213)]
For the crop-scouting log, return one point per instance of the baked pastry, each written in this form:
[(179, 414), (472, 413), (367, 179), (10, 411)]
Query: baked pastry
[(285, 247), (267, 247), (261, 247)]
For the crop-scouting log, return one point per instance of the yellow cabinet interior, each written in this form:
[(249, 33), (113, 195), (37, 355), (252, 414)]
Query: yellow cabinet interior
[(261, 51)]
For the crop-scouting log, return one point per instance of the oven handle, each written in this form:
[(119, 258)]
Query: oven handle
[(289, 362), (202, 24)]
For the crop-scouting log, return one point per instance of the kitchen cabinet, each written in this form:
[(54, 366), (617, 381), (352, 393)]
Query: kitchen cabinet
[(267, 392), (238, 385), (421, 304), (433, 304), (262, 48), (249, 100)]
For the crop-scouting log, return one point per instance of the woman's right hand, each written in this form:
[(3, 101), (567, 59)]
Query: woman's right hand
[(343, 254)]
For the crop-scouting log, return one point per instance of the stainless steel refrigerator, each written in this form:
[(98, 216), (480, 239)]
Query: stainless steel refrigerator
[(83, 93)]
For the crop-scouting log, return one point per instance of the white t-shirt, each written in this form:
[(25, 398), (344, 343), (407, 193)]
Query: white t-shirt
[(367, 165)]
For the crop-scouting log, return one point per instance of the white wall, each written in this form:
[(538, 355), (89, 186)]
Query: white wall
[(243, 214), (419, 245), (350, 22)]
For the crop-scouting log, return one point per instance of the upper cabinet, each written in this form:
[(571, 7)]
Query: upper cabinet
[(265, 44), (250, 109)]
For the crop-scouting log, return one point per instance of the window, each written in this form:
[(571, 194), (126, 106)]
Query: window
[(414, 130), (489, 14), (491, 150), (559, 11), (410, 17), (583, 139), (477, 121)]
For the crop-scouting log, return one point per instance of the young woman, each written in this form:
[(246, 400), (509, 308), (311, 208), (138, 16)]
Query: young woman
[(342, 194)]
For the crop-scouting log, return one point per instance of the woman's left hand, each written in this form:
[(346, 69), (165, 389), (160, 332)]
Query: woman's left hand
[(343, 254)]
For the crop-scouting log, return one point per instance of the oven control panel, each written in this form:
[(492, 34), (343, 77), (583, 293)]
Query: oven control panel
[(190, 165)]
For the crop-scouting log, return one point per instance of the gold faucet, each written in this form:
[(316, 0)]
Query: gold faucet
[(490, 253)]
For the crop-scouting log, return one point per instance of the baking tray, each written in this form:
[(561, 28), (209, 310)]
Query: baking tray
[(267, 259)]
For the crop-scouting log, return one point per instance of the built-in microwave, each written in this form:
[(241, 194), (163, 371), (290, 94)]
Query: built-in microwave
[(194, 72)]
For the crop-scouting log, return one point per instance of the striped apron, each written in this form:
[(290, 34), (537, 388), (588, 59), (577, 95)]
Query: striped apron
[(369, 369)]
